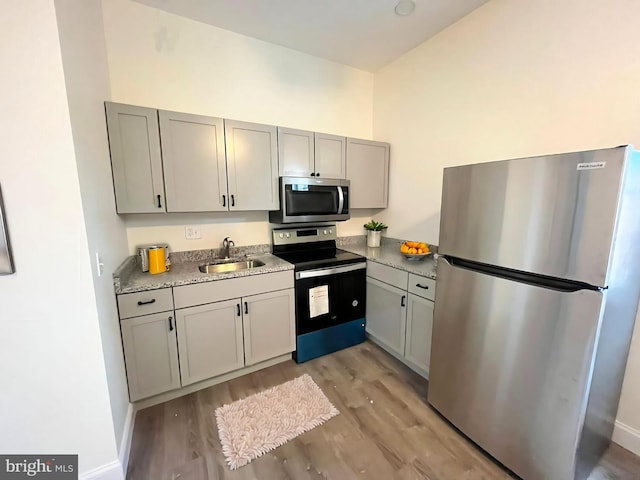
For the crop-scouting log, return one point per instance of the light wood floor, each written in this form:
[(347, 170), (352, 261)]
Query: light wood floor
[(385, 430)]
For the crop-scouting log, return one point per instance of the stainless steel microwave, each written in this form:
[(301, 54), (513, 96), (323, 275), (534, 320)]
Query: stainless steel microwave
[(312, 200)]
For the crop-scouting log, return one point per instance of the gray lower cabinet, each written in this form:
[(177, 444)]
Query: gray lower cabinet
[(418, 335), (151, 354), (136, 162), (194, 162), (386, 314), (252, 165), (210, 340), (269, 325), (368, 172), (400, 313)]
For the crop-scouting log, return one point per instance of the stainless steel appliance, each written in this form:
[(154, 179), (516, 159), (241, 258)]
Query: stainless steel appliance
[(330, 289), (538, 286), (143, 254), (312, 200), (6, 260)]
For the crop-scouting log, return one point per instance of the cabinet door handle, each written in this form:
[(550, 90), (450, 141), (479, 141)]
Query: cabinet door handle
[(224, 200), (233, 200), (246, 307), (426, 287), (159, 202), (171, 324), (313, 174), (317, 174), (238, 307), (146, 302), (402, 301)]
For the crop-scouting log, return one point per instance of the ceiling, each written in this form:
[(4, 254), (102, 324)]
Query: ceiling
[(365, 34)]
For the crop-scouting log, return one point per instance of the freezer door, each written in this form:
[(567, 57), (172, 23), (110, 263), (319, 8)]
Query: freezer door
[(510, 367), (551, 215)]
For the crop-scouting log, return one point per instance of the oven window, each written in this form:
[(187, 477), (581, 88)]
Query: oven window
[(310, 200)]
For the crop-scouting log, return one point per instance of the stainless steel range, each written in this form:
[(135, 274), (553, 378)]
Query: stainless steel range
[(330, 289)]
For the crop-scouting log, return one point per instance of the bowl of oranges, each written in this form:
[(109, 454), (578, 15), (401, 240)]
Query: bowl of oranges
[(415, 250)]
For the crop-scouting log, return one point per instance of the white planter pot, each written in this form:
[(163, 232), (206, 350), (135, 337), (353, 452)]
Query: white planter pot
[(373, 238)]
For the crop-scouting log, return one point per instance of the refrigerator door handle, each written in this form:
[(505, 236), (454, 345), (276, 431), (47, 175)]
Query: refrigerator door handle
[(543, 281)]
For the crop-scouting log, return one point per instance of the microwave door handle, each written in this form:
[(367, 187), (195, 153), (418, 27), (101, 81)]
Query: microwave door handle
[(340, 200)]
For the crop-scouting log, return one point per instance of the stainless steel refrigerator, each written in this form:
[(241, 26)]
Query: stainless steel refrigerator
[(538, 286)]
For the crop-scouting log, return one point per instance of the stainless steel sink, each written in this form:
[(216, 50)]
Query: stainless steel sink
[(229, 265)]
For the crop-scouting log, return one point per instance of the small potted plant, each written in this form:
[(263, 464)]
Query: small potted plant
[(373, 232)]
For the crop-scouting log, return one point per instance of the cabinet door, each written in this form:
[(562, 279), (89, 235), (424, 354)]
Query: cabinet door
[(136, 164), (209, 340), (295, 152), (330, 156), (368, 171), (386, 314), (252, 165), (150, 354), (193, 159), (269, 325), (419, 327)]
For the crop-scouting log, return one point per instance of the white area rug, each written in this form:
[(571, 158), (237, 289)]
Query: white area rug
[(257, 424)]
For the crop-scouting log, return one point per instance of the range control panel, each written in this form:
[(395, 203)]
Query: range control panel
[(317, 233)]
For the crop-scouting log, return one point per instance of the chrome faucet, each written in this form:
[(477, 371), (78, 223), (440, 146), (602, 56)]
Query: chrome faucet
[(226, 244)]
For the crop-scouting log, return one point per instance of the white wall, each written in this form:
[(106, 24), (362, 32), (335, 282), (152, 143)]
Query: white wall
[(54, 389), (515, 78), (162, 60), (87, 81)]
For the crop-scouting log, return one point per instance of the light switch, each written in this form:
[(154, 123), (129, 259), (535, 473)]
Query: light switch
[(192, 232), (99, 264)]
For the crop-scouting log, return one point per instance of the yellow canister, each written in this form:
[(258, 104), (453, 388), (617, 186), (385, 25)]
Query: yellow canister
[(157, 260)]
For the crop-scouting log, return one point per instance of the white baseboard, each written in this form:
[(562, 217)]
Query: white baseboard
[(108, 471), (125, 441), (627, 437)]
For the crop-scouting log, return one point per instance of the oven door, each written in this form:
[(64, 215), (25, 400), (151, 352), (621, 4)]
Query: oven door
[(330, 296), (312, 200)]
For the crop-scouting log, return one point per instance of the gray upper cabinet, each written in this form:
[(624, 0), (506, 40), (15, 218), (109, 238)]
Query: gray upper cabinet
[(193, 157), (330, 155), (136, 163), (368, 171), (295, 152), (308, 154), (252, 165)]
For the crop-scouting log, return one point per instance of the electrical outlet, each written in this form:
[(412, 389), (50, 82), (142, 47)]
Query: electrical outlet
[(192, 232)]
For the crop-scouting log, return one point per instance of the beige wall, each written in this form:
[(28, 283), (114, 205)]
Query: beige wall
[(84, 61), (515, 78), (54, 388), (162, 60)]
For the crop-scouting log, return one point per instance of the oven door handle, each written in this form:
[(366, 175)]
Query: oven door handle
[(323, 272), (340, 200)]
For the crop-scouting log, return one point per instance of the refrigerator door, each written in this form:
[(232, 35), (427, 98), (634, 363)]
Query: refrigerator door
[(551, 215), (510, 367)]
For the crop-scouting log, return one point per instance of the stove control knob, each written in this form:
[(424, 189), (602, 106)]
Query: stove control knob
[(325, 232), (330, 232), (282, 235), (288, 235)]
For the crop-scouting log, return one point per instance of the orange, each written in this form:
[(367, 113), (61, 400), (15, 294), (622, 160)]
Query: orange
[(423, 245), (404, 248)]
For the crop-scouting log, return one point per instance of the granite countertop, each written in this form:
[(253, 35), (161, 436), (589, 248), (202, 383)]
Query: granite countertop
[(389, 254), (184, 271)]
